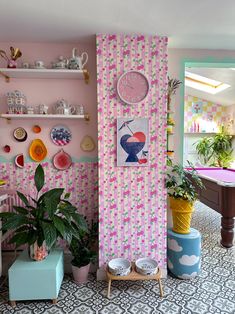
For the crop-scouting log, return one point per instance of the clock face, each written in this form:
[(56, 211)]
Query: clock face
[(132, 87)]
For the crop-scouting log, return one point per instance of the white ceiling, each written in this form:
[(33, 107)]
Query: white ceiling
[(188, 23), (224, 75)]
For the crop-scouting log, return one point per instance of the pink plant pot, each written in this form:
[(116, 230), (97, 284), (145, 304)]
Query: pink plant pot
[(80, 274)]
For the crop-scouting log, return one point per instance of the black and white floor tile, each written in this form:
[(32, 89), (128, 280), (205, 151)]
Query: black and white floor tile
[(211, 292)]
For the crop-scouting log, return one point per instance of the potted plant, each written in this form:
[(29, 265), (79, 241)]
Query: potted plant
[(216, 150), (43, 219), (182, 185), (173, 85), (83, 252)]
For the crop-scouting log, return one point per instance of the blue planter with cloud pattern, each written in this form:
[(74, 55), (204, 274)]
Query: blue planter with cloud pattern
[(184, 253)]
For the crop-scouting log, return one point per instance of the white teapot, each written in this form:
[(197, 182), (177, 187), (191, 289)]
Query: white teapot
[(77, 62), (62, 107)]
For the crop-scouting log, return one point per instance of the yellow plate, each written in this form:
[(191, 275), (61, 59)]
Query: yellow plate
[(37, 150)]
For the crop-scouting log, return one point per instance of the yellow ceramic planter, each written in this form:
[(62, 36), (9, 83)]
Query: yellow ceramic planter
[(181, 214)]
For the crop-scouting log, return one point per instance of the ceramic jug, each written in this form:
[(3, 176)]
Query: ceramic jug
[(78, 62)]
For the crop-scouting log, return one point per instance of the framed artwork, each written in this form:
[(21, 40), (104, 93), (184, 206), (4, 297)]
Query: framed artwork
[(132, 141), (197, 107)]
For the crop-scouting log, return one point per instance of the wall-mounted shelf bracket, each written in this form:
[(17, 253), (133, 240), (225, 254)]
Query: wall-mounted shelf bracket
[(86, 76), (7, 78)]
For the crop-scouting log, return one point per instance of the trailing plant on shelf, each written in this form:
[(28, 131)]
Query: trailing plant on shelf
[(216, 150), (170, 121), (45, 218), (182, 188)]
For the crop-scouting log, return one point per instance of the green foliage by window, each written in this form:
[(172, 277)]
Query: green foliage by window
[(216, 150)]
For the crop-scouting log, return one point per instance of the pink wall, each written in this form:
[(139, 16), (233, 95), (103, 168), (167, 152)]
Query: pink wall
[(81, 178), (49, 91), (132, 200), (175, 59)]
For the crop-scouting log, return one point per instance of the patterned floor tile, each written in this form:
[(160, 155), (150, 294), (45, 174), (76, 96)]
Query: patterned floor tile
[(212, 292)]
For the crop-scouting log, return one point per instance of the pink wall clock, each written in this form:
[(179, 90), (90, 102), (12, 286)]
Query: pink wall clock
[(132, 87)]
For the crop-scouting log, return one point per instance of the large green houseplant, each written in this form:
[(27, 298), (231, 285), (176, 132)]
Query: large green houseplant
[(182, 186), (216, 150), (43, 219), (83, 252)]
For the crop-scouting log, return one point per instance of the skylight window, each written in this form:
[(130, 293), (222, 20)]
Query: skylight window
[(204, 83)]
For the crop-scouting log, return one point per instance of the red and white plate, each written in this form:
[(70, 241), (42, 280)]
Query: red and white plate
[(61, 135)]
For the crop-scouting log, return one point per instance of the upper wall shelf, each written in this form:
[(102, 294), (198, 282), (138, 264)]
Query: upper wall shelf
[(45, 74), (43, 116)]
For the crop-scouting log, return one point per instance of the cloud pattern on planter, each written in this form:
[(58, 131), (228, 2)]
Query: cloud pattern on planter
[(184, 254)]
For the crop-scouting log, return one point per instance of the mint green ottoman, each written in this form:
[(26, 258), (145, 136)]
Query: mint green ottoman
[(32, 280)]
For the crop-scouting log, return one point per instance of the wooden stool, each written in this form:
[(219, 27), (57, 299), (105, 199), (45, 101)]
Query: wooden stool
[(31, 280), (134, 276)]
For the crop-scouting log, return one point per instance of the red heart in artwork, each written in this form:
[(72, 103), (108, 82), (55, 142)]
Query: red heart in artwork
[(140, 135), (142, 160)]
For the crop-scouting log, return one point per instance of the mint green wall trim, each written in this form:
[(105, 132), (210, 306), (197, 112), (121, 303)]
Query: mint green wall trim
[(84, 159), (209, 62)]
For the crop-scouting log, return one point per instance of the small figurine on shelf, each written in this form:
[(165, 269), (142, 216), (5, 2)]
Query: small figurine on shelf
[(15, 54)]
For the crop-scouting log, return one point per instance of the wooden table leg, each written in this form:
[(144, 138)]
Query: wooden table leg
[(54, 301), (109, 288), (160, 287), (13, 303)]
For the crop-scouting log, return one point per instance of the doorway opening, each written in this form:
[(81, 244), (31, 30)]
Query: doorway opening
[(208, 110)]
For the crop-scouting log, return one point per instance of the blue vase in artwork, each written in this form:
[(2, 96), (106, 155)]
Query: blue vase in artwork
[(133, 145)]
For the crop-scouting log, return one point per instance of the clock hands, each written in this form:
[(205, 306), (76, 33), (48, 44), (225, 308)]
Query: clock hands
[(125, 83)]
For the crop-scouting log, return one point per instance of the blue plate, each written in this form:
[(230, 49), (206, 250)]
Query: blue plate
[(61, 135)]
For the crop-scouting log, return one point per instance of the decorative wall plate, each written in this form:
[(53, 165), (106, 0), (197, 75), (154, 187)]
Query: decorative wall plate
[(61, 135), (62, 160), (19, 160), (132, 87), (36, 129), (87, 144), (37, 150), (20, 134)]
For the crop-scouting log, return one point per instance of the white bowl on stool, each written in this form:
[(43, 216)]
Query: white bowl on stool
[(119, 267), (146, 266)]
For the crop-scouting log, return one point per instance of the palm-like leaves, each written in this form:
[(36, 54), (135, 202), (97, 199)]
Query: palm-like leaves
[(49, 217), (182, 183), (216, 150)]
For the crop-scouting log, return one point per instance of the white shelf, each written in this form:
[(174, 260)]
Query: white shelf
[(200, 133), (43, 116), (44, 74)]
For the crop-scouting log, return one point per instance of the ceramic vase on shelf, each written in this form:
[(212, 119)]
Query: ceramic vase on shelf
[(12, 64), (38, 253)]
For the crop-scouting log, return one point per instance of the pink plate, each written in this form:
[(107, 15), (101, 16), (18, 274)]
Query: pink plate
[(62, 160)]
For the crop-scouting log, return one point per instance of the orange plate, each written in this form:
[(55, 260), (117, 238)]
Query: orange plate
[(37, 150)]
